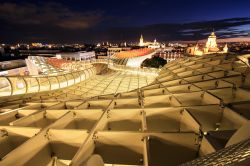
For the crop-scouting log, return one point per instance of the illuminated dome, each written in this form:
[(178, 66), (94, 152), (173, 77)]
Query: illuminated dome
[(211, 44), (195, 112), (211, 47), (213, 34)]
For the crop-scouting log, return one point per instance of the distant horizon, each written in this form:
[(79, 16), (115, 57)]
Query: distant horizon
[(224, 40), (219, 40)]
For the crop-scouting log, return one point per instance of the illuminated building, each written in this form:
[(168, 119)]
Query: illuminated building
[(81, 55), (141, 42), (170, 56), (225, 49), (153, 45), (210, 47), (36, 44), (113, 50), (211, 44), (194, 111)]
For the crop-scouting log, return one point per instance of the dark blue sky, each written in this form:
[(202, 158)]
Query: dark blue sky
[(100, 20), (143, 12)]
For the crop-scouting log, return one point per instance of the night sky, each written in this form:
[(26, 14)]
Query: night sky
[(89, 21)]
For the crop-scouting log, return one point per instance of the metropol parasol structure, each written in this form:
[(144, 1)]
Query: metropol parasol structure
[(192, 111)]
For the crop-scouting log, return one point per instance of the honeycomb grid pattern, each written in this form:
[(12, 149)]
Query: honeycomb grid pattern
[(173, 120), (232, 155)]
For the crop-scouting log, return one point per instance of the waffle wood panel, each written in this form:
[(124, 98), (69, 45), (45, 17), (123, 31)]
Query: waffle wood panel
[(195, 112)]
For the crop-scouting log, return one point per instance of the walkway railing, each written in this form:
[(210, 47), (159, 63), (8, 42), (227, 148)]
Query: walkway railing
[(16, 85)]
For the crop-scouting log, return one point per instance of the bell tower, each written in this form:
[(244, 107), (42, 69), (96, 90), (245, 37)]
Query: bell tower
[(141, 43), (211, 44)]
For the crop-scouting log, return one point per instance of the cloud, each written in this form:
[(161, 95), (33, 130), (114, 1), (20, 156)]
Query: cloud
[(50, 14), (190, 30), (224, 28), (56, 23)]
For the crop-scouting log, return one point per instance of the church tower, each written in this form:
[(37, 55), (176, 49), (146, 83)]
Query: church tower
[(225, 49), (211, 44), (141, 43)]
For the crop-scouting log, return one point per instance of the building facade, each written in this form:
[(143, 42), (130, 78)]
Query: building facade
[(209, 48)]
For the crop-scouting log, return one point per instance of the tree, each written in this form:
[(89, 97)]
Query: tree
[(154, 62)]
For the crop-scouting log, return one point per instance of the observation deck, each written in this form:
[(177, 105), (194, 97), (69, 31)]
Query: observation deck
[(192, 111)]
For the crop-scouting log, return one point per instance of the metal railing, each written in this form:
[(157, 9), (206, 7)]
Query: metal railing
[(79, 71), (16, 85)]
